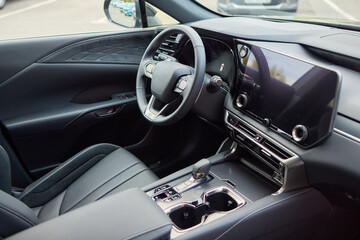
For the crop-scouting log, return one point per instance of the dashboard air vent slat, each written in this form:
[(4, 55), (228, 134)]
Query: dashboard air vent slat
[(278, 151), (246, 129), (168, 47)]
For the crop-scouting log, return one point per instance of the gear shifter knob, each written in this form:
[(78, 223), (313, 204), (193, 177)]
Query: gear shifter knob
[(201, 169)]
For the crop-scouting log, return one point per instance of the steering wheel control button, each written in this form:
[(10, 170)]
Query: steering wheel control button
[(242, 100), (181, 85), (300, 133), (149, 68), (165, 57)]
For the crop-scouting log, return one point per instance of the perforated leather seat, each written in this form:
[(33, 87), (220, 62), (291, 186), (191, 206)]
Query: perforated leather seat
[(94, 173)]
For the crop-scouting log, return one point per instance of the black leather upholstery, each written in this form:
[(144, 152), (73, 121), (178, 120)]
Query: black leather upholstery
[(118, 171), (92, 174), (5, 171), (130, 214), (52, 184), (15, 216)]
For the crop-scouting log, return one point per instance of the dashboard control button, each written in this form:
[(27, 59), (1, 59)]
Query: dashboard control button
[(160, 196), (156, 198), (266, 122), (171, 191), (258, 138), (300, 133), (176, 197), (242, 100), (232, 121)]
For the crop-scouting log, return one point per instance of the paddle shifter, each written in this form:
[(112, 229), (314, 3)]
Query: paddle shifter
[(199, 173)]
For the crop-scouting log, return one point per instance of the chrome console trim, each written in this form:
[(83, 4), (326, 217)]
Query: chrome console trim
[(345, 134)]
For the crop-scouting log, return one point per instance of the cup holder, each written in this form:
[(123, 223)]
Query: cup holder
[(220, 202), (188, 215), (215, 201)]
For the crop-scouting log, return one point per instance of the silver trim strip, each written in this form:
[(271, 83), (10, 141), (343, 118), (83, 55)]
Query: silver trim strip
[(345, 134)]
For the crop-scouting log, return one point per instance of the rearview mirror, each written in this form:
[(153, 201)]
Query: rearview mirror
[(131, 13)]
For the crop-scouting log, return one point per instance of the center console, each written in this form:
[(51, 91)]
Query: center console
[(233, 200)]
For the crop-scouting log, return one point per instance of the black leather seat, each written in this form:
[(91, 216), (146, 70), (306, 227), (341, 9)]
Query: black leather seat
[(94, 173)]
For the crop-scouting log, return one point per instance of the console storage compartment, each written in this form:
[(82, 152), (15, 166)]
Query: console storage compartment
[(130, 214)]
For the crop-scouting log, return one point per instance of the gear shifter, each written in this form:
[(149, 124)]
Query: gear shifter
[(199, 173), (201, 169)]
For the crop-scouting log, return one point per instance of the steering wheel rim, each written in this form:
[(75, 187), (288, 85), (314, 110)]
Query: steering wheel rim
[(194, 80)]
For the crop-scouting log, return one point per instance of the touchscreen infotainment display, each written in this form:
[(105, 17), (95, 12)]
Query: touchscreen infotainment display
[(293, 97)]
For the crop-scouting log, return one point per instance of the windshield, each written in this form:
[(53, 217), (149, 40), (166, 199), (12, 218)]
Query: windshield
[(333, 12)]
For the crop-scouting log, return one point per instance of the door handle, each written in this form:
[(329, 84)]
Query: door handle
[(107, 112)]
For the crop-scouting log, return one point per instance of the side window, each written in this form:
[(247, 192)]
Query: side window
[(156, 17), (37, 18)]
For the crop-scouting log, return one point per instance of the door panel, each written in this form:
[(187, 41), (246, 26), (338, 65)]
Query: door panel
[(47, 97), (61, 94)]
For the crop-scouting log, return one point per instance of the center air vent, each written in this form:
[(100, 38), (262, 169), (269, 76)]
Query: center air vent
[(270, 156), (168, 47)]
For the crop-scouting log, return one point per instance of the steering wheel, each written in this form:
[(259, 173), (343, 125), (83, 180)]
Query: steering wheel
[(175, 87)]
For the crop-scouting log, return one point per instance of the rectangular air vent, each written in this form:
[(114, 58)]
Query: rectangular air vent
[(168, 47), (246, 129), (275, 149)]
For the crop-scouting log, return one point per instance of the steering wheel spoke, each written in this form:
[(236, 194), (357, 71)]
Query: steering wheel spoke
[(151, 110)]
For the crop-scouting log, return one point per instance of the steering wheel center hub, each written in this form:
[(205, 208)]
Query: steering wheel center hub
[(165, 76)]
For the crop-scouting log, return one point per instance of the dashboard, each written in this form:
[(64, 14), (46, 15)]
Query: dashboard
[(330, 120)]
